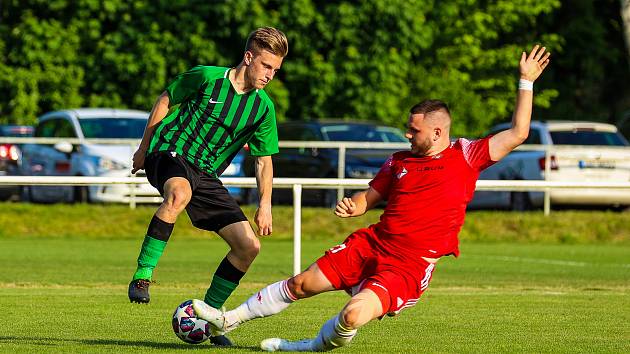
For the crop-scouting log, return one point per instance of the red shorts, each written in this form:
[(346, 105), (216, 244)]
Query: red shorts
[(357, 264)]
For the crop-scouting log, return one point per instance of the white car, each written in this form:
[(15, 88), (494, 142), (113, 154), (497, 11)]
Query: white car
[(582, 152), (86, 159)]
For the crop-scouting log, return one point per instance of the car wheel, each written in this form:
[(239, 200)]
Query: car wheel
[(81, 194), (29, 196), (25, 194), (519, 201)]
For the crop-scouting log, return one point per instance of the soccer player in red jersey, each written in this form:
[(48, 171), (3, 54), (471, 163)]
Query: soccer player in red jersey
[(387, 266)]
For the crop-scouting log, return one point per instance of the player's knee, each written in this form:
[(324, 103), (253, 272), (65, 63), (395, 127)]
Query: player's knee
[(248, 250), (176, 200), (352, 318), (296, 286), (252, 249)]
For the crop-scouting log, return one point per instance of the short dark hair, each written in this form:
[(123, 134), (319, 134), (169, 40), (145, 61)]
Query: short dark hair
[(428, 106), (270, 39)]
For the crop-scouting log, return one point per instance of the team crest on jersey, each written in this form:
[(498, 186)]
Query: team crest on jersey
[(402, 173)]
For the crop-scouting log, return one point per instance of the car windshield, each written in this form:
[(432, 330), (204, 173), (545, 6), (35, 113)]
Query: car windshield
[(113, 128), (350, 132), (587, 137)]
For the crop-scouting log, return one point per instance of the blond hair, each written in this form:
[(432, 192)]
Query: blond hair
[(270, 39)]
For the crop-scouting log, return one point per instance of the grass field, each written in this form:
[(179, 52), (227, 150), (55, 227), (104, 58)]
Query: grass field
[(68, 295)]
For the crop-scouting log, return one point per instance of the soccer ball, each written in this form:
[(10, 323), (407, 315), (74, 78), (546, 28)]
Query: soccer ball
[(187, 327)]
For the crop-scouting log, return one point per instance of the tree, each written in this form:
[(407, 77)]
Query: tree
[(363, 60), (625, 15), (585, 69)]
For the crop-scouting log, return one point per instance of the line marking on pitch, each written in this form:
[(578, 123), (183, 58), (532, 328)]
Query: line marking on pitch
[(547, 261)]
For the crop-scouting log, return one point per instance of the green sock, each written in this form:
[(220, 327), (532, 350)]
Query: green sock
[(220, 289), (149, 255)]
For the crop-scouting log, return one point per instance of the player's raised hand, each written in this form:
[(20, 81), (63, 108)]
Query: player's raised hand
[(345, 208), (532, 65)]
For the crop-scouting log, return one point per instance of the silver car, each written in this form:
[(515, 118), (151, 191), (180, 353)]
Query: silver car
[(84, 158), (581, 152)]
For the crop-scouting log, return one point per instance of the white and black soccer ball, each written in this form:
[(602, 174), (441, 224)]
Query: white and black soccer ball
[(187, 327)]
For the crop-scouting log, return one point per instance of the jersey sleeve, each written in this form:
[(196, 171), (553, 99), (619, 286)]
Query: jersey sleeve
[(382, 182), (265, 139), (477, 153), (186, 85)]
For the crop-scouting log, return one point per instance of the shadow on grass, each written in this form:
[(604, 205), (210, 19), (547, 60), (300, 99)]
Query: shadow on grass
[(47, 341)]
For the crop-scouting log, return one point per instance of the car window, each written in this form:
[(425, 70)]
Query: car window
[(46, 129), (308, 135), (587, 137), (533, 137), (64, 129), (360, 132), (391, 135), (297, 132), (288, 133), (113, 128)]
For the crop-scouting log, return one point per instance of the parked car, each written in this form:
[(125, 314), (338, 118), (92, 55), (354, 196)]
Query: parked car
[(86, 159), (235, 169), (322, 162), (11, 157), (585, 151)]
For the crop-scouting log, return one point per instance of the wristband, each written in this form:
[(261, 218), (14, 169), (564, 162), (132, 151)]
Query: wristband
[(525, 85)]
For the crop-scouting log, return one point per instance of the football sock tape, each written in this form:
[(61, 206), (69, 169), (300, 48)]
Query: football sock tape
[(150, 253), (224, 281), (153, 246)]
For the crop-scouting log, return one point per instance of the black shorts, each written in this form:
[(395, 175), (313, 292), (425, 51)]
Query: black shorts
[(211, 206)]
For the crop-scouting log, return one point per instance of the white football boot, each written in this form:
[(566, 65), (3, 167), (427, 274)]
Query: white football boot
[(283, 345), (213, 316)]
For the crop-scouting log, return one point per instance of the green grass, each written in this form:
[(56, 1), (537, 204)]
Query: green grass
[(68, 295), (18, 220)]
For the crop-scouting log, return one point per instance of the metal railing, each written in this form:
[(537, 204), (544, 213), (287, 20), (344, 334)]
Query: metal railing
[(342, 146), (297, 184)]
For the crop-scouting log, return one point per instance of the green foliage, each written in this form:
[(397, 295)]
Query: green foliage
[(363, 60), (590, 67)]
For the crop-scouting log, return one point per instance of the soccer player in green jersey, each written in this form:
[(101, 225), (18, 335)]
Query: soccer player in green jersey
[(196, 127)]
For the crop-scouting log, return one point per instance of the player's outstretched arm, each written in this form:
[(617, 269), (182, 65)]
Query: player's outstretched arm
[(159, 111), (264, 181), (358, 204), (530, 67)]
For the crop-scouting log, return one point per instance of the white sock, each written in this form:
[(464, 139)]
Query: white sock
[(268, 301), (332, 335)]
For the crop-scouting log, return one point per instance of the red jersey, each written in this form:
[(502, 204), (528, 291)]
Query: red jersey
[(427, 197)]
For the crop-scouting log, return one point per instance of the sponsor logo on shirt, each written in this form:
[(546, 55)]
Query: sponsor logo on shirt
[(429, 168), (402, 173)]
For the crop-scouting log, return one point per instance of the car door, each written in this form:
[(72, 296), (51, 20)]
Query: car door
[(45, 160), (517, 165), (301, 162)]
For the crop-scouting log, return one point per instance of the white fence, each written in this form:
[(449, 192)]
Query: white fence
[(297, 184)]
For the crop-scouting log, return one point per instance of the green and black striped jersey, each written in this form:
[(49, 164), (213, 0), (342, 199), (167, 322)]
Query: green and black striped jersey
[(209, 122)]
